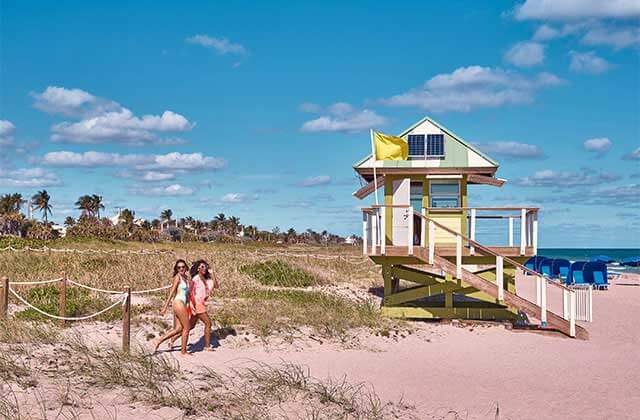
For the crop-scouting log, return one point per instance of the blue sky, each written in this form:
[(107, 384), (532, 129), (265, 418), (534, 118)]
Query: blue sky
[(260, 109)]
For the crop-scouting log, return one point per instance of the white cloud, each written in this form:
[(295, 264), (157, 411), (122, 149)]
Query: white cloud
[(577, 9), (599, 145), (93, 159), (60, 100), (6, 128), (525, 54), (315, 181), (169, 190), (234, 198), (119, 126), (551, 178), (344, 118), (546, 33), (169, 161), (220, 45), (612, 36), (188, 161), (309, 107), (341, 108), (28, 178), (103, 121), (633, 155), (587, 62), (512, 149), (473, 87), (152, 176), (6, 132)]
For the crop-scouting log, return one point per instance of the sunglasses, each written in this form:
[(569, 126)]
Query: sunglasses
[(180, 267)]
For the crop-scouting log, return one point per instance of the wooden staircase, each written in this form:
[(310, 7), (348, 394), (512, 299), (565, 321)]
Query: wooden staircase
[(554, 321)]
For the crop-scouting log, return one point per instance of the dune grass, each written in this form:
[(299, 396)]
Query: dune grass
[(266, 312), (278, 273)]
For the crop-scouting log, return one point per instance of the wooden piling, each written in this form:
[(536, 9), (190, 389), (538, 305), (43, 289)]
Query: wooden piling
[(62, 304), (4, 298), (126, 321)]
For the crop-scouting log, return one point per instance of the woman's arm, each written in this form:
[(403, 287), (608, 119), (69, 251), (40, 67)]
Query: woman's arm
[(172, 293)]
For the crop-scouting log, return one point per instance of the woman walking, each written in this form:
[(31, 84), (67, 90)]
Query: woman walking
[(202, 285), (180, 291)]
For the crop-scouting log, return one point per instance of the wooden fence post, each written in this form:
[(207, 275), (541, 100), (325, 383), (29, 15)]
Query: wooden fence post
[(126, 321), (62, 304), (4, 298)]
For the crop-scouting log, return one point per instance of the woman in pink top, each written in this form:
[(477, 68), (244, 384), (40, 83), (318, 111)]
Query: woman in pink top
[(202, 285)]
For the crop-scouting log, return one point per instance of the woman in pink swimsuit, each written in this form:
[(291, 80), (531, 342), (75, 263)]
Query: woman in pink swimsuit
[(202, 285)]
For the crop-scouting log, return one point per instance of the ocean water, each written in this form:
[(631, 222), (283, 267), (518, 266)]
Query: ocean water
[(585, 254)]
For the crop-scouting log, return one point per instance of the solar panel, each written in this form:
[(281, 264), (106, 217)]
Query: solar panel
[(435, 145), (416, 144)]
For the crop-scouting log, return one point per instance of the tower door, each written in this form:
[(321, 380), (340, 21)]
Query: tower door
[(400, 218)]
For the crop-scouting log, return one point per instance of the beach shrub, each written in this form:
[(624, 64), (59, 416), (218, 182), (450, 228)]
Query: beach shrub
[(278, 273), (41, 231)]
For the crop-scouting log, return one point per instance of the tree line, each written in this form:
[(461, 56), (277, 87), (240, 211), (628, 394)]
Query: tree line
[(127, 227)]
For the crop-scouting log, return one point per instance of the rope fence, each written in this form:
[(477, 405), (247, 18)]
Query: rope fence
[(124, 299), (348, 259), (90, 251)]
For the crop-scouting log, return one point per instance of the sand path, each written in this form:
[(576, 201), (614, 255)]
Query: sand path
[(475, 370)]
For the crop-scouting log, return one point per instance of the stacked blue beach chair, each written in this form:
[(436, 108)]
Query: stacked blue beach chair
[(577, 273)]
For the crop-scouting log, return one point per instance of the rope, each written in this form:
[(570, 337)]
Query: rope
[(35, 282), (115, 292), (89, 251), (157, 289), (95, 289), (69, 318), (316, 256)]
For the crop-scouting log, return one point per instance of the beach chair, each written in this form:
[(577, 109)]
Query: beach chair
[(595, 272), (544, 267), (533, 262), (576, 274), (560, 269)]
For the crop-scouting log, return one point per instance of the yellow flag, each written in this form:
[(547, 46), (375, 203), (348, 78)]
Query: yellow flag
[(390, 147)]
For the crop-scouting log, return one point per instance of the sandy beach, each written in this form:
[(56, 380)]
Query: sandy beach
[(458, 370), (479, 371)]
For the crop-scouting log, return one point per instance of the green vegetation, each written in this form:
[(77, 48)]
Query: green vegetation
[(278, 273), (266, 312)]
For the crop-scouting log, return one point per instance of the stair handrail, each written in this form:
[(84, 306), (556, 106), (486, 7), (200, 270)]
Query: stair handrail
[(483, 248)]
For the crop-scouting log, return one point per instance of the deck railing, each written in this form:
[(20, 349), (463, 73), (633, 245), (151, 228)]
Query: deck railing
[(526, 235), (375, 242)]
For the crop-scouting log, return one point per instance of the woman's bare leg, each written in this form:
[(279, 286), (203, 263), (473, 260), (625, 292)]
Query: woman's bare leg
[(185, 324), (204, 317), (173, 339), (178, 309)]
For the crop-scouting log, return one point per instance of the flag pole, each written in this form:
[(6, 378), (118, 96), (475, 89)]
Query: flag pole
[(375, 176)]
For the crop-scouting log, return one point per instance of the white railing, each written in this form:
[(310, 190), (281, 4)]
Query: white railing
[(374, 224), (549, 295)]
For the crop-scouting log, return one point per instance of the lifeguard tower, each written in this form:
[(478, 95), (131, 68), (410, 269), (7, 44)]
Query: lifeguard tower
[(423, 233)]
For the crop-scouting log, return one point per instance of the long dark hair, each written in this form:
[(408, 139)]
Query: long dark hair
[(175, 266), (194, 269)]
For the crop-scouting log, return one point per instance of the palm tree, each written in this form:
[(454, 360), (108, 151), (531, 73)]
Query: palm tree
[(96, 203), (11, 203), (41, 201), (69, 221), (166, 215), (85, 203), (234, 224), (127, 216)]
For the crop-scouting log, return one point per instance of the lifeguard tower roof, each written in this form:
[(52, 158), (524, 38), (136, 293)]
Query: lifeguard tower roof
[(434, 149)]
